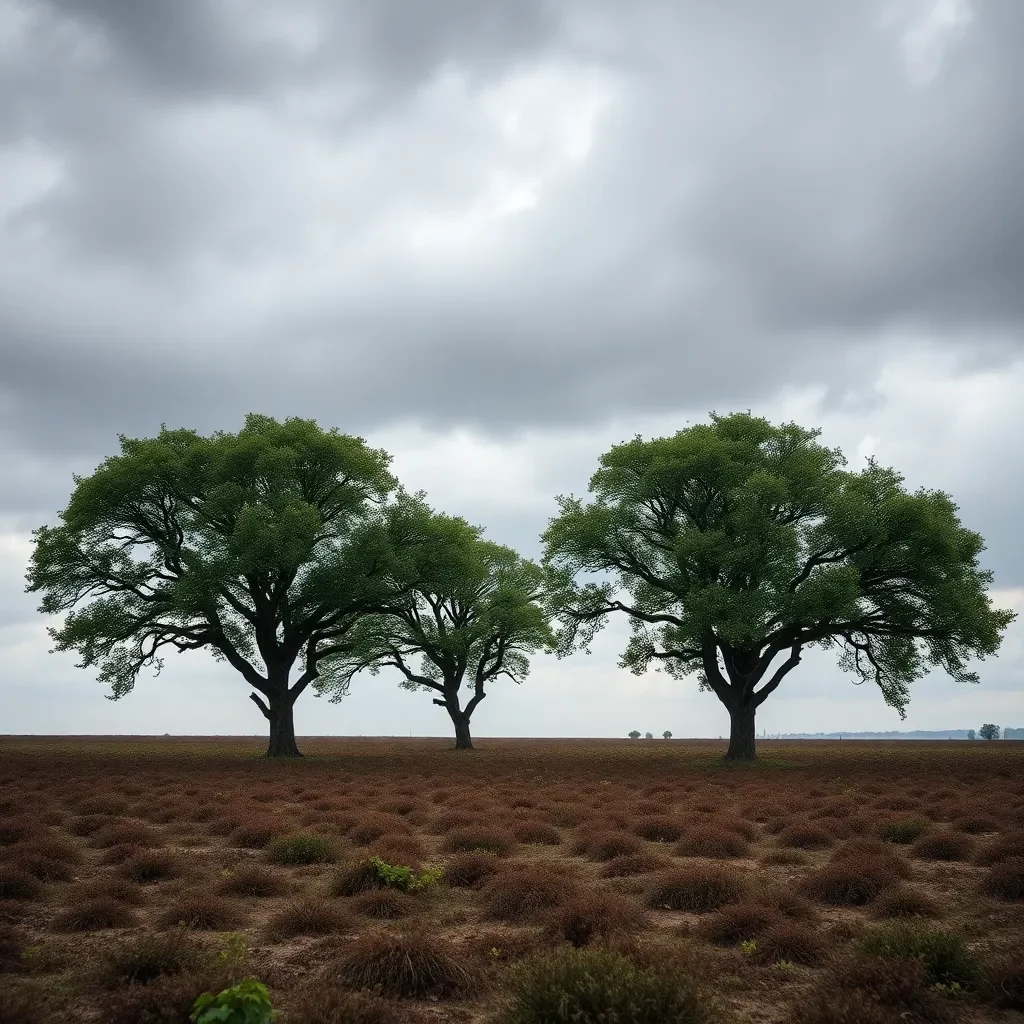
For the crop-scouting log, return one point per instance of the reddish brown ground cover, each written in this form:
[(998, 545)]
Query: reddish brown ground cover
[(135, 874)]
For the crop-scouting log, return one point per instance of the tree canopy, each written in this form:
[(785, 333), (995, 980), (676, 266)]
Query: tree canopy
[(266, 547), (739, 541), (472, 616)]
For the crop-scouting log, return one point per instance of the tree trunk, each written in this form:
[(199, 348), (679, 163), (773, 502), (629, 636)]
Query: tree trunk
[(741, 732), (282, 727), (463, 741)]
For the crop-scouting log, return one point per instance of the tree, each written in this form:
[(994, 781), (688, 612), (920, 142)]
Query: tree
[(473, 610), (266, 547), (739, 541), (667, 735), (648, 735), (970, 734), (634, 735), (989, 731)]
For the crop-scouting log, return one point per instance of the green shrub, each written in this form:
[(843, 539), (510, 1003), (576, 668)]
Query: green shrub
[(903, 830), (404, 879), (248, 1002), (302, 848), (587, 986), (944, 955)]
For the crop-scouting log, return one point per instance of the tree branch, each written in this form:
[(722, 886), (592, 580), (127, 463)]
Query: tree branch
[(760, 696)]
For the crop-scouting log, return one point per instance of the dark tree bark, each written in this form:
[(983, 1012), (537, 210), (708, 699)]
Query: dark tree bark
[(280, 714), (463, 740), (741, 731)]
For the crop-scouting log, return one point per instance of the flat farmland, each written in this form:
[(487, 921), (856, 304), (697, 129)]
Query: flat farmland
[(848, 882)]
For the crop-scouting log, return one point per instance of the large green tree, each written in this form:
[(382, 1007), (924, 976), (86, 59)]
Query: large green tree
[(739, 541), (265, 547), (472, 616)]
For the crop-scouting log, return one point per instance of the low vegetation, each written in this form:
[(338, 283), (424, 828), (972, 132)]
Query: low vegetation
[(378, 882)]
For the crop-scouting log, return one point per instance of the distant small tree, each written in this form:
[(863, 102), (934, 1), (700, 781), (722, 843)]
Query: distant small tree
[(989, 731), (971, 735), (635, 734), (667, 734), (649, 735)]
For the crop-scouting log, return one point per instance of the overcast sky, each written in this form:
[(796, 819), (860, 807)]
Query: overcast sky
[(497, 238)]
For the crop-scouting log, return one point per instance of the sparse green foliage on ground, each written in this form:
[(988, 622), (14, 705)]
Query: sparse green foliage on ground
[(248, 1002)]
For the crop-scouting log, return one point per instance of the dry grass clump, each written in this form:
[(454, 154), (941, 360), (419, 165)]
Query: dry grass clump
[(806, 835), (108, 886), (522, 892), (784, 901), (302, 848), (448, 821), (976, 824), (385, 904), (202, 912), (1010, 844), (374, 825), (944, 845), (114, 855), (255, 832), (254, 881), (354, 878), (44, 868), (397, 848), (17, 884), (307, 916), (783, 856), (900, 901), (586, 917), (19, 828), (166, 1000), (126, 833), (103, 803), (718, 843), (873, 990), (565, 815), (850, 881), (534, 831), (792, 941), (1002, 982), (47, 847), (149, 866), (93, 915), (87, 824), (606, 845), (902, 830), (479, 837), (466, 870), (697, 889), (412, 964), (141, 959), (12, 945), (737, 923), (634, 864), (320, 1003), (1005, 880), (658, 828)]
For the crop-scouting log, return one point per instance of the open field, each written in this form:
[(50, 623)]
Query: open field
[(136, 873)]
